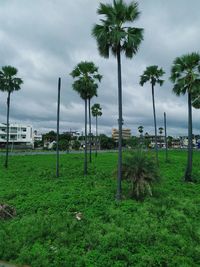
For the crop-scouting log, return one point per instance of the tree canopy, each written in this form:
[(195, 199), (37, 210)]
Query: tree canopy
[(86, 79), (185, 74), (113, 33), (9, 82), (153, 75), (96, 110)]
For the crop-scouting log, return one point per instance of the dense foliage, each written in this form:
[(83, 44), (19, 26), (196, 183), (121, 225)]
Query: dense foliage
[(142, 172), (163, 230)]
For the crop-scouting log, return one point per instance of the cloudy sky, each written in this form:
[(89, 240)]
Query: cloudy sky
[(45, 39)]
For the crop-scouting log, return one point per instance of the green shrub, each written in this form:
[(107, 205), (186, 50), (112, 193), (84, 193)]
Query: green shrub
[(141, 171), (62, 145), (76, 145)]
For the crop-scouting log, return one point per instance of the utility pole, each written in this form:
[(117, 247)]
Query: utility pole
[(166, 145), (57, 137)]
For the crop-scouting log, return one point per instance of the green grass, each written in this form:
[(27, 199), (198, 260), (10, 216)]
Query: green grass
[(163, 230)]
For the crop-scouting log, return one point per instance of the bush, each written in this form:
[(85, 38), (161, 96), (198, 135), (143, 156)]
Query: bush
[(76, 145), (62, 145), (141, 171)]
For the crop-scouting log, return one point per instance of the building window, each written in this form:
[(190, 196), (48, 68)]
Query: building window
[(13, 130), (13, 137), (23, 129)]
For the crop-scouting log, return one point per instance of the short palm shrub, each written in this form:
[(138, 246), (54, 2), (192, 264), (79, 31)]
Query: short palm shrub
[(142, 172)]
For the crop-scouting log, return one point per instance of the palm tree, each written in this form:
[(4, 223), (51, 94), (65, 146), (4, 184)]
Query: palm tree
[(9, 83), (92, 94), (86, 83), (140, 130), (153, 74), (114, 35), (160, 132), (185, 74), (96, 112)]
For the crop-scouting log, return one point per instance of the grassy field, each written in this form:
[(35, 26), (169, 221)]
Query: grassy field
[(163, 230)]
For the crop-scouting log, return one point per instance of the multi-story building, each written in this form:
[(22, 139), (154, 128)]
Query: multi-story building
[(126, 134), (20, 135), (37, 136)]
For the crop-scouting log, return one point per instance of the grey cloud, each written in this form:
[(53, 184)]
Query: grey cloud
[(46, 39)]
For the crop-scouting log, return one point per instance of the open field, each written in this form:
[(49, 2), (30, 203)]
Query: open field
[(163, 230)]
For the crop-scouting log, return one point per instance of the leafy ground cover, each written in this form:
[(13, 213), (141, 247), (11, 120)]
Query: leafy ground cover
[(163, 230)]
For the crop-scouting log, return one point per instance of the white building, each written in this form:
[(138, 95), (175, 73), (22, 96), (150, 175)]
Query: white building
[(185, 141), (37, 136), (18, 134)]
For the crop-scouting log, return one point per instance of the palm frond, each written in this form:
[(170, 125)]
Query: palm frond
[(134, 37), (101, 33), (196, 100), (132, 12)]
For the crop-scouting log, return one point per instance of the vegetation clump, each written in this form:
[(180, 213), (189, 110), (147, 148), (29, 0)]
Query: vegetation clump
[(142, 172)]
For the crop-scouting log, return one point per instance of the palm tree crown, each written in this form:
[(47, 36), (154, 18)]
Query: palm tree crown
[(112, 34), (185, 74), (152, 74), (87, 76), (96, 110), (140, 129), (160, 130), (8, 80)]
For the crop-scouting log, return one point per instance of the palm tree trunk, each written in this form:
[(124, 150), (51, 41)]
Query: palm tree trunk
[(155, 125), (96, 135), (119, 180), (85, 159), (89, 110), (188, 172), (166, 145), (7, 136)]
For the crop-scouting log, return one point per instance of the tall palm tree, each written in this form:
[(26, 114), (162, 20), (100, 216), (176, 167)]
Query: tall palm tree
[(114, 35), (90, 96), (96, 112), (86, 83), (161, 132), (185, 74), (153, 75), (9, 82), (140, 130)]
